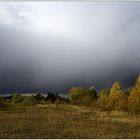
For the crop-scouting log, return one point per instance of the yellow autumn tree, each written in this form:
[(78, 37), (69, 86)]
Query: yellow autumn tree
[(75, 94), (117, 100), (134, 97)]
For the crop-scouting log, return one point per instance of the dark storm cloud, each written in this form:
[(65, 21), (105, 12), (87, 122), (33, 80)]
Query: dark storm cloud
[(53, 46)]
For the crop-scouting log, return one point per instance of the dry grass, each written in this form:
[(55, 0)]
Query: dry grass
[(67, 121)]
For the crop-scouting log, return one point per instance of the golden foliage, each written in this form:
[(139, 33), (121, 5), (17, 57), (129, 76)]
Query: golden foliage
[(134, 97)]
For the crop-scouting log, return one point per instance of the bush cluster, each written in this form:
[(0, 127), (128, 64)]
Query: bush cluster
[(30, 100)]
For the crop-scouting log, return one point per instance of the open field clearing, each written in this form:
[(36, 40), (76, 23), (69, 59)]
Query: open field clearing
[(67, 121)]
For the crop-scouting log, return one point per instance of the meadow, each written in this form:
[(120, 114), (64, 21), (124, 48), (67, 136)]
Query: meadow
[(85, 113), (66, 121)]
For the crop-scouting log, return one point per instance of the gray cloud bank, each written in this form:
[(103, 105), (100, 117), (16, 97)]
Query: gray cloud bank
[(53, 46)]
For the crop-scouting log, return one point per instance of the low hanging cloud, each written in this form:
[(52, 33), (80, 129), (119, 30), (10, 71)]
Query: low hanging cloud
[(52, 46)]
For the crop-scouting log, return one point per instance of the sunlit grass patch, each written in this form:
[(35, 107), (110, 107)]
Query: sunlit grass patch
[(67, 121)]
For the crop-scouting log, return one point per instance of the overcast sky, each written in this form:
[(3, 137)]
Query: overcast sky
[(53, 46)]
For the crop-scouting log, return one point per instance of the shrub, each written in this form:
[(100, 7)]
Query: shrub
[(91, 93), (29, 100), (103, 99), (103, 102), (103, 92), (16, 98), (52, 97), (2, 101), (39, 97)]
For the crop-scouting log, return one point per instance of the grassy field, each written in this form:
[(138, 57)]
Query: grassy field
[(67, 121)]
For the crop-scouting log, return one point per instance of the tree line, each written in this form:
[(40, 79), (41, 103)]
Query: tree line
[(114, 98), (30, 100)]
